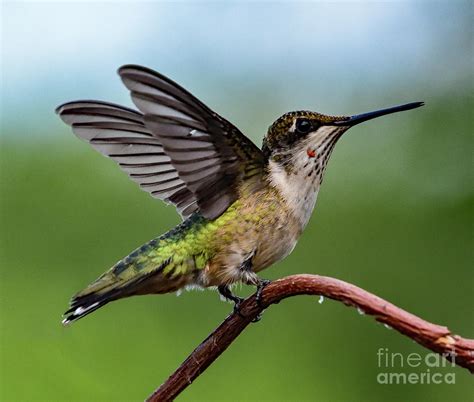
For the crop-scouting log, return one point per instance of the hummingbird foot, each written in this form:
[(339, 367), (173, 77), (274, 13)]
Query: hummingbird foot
[(227, 294), (237, 307), (262, 283)]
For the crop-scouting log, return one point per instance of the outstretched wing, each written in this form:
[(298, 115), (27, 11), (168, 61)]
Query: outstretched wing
[(209, 154), (120, 133)]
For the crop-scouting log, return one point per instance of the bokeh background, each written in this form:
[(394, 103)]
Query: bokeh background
[(394, 215)]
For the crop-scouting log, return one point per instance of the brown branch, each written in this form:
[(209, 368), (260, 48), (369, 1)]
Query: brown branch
[(437, 338)]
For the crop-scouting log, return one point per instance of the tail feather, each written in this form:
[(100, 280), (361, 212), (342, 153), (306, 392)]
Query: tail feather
[(79, 312), (98, 294)]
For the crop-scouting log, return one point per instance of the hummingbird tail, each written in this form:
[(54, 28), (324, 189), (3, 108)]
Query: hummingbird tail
[(81, 311), (165, 264), (106, 289)]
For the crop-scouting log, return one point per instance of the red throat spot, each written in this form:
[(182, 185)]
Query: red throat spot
[(311, 153)]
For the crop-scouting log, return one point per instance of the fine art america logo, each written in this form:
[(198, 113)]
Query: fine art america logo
[(414, 368)]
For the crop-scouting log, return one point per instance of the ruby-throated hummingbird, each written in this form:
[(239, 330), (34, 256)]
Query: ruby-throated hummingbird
[(243, 208)]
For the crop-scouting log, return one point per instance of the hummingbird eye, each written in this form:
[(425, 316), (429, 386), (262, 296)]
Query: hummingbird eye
[(303, 126)]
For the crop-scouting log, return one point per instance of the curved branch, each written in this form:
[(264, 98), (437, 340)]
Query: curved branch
[(437, 338)]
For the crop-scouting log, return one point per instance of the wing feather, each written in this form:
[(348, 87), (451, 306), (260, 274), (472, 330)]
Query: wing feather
[(174, 147), (120, 133), (212, 157)]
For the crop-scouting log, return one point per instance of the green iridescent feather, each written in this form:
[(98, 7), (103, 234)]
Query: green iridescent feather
[(185, 248)]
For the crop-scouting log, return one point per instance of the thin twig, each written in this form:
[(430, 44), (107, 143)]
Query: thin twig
[(437, 338)]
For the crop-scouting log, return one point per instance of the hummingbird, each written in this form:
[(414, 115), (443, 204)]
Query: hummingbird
[(243, 207)]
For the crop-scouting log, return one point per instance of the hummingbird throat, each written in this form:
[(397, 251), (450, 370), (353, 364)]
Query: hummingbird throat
[(297, 172)]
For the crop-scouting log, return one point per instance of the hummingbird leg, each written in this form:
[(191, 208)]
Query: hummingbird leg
[(227, 294), (262, 284)]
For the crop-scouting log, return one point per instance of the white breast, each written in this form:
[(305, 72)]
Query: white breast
[(299, 191)]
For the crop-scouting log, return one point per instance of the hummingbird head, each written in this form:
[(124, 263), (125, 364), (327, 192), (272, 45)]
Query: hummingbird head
[(295, 128), (313, 133), (297, 148)]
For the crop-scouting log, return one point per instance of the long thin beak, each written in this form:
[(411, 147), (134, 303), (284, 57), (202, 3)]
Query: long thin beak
[(359, 118)]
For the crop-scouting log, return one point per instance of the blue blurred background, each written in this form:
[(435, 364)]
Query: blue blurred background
[(394, 215)]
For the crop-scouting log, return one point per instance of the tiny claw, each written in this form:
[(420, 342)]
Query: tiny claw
[(258, 317)]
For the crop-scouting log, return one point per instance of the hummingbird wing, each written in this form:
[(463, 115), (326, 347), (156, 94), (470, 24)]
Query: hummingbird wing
[(209, 153), (120, 133)]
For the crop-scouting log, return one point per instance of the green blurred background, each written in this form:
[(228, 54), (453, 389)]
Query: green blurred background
[(394, 215)]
